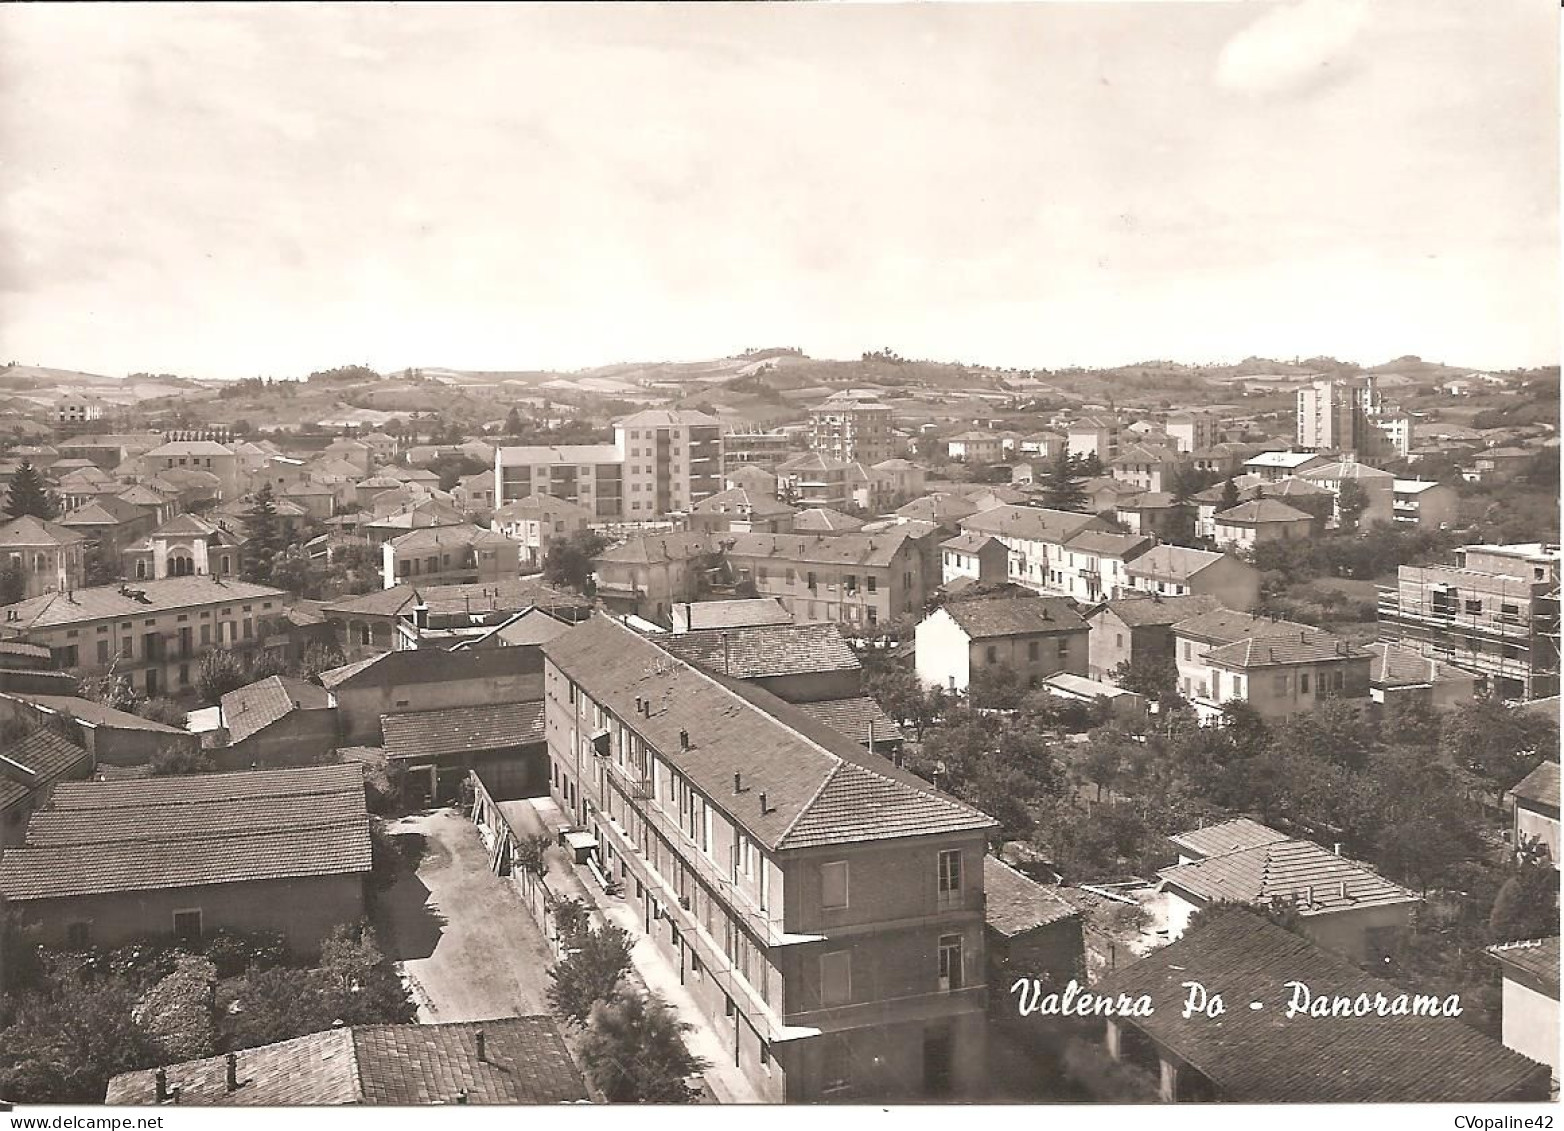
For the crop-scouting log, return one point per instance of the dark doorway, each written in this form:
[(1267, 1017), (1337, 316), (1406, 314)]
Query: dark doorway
[(938, 1050)]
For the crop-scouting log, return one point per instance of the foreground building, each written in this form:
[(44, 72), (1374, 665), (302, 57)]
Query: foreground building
[(824, 908), (510, 1060), (1261, 1056), (1530, 1005), (109, 863), (1031, 636)]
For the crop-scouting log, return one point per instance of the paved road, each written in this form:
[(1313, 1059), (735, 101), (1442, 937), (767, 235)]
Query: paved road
[(458, 931)]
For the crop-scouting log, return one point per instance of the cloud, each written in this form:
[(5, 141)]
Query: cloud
[(1293, 48)]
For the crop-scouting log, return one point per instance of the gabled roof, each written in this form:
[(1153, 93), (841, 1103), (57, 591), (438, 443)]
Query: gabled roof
[(1110, 545), (656, 548), (859, 717), (1226, 836), (89, 712), (185, 526), (1224, 626), (941, 506), (1297, 871), (192, 831), (1336, 472), (30, 531), (1535, 959), (1280, 459), (1259, 1056), (525, 1062), (1167, 562), (103, 601), (258, 705), (740, 613), (36, 761), (540, 506), (190, 448), (104, 510), (741, 500), (1541, 786), (819, 786), (1015, 904), (1262, 510), (531, 627), (1138, 612), (812, 520), (970, 543), (1393, 666), (583, 454), (1035, 524), (1276, 650), (986, 619), (764, 651), (456, 730), (430, 537), (666, 418), (879, 549)]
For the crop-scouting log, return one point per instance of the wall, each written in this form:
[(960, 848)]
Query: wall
[(299, 738), (304, 910), (941, 656), (429, 679), (1015, 653), (1531, 1023), (1532, 825)]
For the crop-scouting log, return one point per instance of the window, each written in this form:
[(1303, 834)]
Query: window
[(991, 654), (1473, 608), (103, 651), (1189, 650), (836, 977), (1340, 681), (1031, 651), (78, 936), (950, 877), (1281, 684), (833, 885), (1064, 649), (810, 579), (873, 584), (187, 925), (1118, 639), (1303, 683), (950, 962)]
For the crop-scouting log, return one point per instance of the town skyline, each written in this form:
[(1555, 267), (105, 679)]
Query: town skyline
[(1068, 184)]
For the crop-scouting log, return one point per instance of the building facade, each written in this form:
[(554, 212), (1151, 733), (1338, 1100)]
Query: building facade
[(853, 427)]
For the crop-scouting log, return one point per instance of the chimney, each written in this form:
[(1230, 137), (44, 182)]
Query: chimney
[(1336, 848), (727, 665), (738, 782), (1343, 889), (461, 1096), (173, 1093), (233, 1072), (764, 808), (1308, 895), (684, 740), (483, 1050), (160, 1079)]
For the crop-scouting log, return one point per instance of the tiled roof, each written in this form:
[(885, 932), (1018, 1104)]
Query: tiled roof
[(939, 507), (452, 730), (1137, 612), (1032, 523), (105, 510), (1014, 616), (1541, 785), (1335, 472), (30, 531), (430, 537), (816, 781), (741, 613), (1280, 459), (531, 627), (541, 506), (90, 712), (185, 525), (654, 548), (813, 519), (1224, 626), (37, 761), (762, 651), (503, 597), (194, 830), (525, 1062), (1393, 666), (1226, 836), (1260, 1056), (969, 543), (1303, 647), (1014, 904), (257, 706), (1291, 870), (582, 454), (742, 500), (1414, 486), (1263, 510), (1172, 563), (104, 601), (818, 549), (1109, 545), (666, 418), (190, 448), (857, 718), (1537, 958)]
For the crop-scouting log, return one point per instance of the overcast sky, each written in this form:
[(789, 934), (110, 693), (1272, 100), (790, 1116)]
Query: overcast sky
[(224, 191)]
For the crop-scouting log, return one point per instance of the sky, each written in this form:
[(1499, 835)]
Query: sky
[(226, 191)]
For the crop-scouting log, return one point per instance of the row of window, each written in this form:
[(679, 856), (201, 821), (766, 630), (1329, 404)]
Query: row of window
[(1034, 650)]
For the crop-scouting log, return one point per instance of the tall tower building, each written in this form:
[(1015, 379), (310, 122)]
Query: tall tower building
[(672, 460), (1337, 414), (854, 427)]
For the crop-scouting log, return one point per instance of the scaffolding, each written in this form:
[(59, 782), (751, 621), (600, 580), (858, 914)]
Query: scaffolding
[(1499, 627)]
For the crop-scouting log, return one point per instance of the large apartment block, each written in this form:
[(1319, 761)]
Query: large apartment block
[(660, 461), (1341, 414), (155, 632), (823, 907), (853, 427), (1494, 613), (860, 580)]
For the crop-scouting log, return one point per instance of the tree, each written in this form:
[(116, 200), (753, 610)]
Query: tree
[(513, 422), (13, 582), (293, 571), (318, 657), (531, 855), (164, 710), (1229, 494), (589, 972), (1351, 501), (1492, 739), (1527, 906), (1090, 465), (1155, 677), (635, 1053), (264, 536), (220, 672), (176, 759), (569, 560), (996, 687), (110, 689), (28, 494), (67, 1039), (1062, 487)]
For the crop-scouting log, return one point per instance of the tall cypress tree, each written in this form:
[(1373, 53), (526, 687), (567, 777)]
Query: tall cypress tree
[(263, 538), (1229, 494), (28, 495), (1062, 490)]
